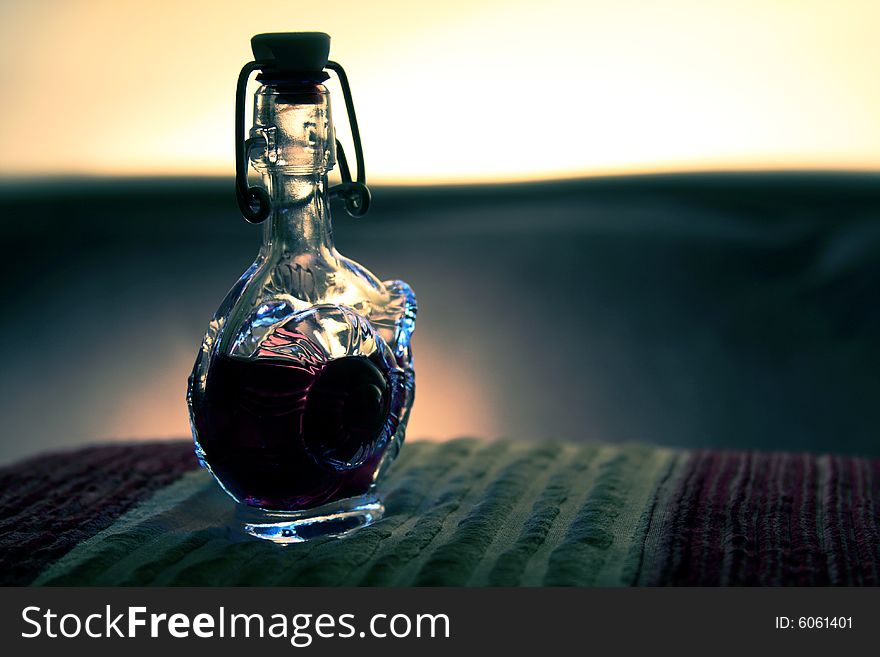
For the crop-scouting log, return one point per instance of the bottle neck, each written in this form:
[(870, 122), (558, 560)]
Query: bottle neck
[(293, 147), (300, 218)]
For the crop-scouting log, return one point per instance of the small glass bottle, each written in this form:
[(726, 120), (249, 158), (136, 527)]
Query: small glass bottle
[(300, 394)]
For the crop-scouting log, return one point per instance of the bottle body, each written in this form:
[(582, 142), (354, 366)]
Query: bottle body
[(297, 404), (297, 425), (302, 388)]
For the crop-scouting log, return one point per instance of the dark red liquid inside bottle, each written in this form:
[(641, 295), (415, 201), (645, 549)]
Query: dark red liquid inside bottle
[(283, 436)]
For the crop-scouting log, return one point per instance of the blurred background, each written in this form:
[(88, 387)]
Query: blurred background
[(631, 220)]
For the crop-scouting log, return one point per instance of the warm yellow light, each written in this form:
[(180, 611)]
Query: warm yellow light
[(455, 90)]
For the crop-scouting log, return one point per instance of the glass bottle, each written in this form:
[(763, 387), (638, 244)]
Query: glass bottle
[(301, 391)]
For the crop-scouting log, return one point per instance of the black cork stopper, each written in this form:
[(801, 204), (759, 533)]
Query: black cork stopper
[(292, 55)]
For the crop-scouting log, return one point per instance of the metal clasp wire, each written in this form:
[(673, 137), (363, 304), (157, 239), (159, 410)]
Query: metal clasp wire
[(253, 201)]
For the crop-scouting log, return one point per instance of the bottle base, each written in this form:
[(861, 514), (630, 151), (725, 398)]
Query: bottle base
[(288, 527)]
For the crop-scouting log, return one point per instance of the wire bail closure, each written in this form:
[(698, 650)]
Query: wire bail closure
[(253, 201)]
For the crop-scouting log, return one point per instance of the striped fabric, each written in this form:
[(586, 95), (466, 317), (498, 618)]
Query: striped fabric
[(51, 503), (466, 513)]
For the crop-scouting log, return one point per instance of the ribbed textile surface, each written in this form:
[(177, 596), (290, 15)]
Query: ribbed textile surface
[(51, 503), (478, 513), (744, 518)]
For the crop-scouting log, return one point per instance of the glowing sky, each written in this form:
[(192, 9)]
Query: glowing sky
[(455, 90)]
